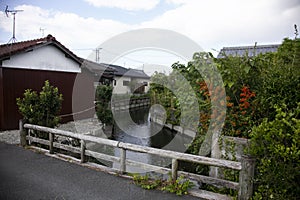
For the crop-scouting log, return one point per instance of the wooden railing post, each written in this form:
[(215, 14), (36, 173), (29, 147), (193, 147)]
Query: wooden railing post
[(51, 139), (246, 177), (82, 152), (122, 160), (22, 133), (174, 169)]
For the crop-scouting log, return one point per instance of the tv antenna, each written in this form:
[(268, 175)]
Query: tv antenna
[(13, 12)]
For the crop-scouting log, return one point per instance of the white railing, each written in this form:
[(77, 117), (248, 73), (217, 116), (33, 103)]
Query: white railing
[(246, 166)]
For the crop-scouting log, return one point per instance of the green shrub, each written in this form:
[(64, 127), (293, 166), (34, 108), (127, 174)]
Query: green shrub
[(275, 144), (43, 108), (180, 186), (103, 98), (145, 182)]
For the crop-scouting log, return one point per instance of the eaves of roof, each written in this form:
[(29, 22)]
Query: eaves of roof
[(122, 71), (7, 50)]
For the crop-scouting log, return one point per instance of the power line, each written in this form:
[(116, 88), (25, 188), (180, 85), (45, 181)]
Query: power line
[(126, 57), (97, 56)]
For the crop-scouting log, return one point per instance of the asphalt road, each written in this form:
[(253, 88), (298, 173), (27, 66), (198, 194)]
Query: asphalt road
[(25, 174)]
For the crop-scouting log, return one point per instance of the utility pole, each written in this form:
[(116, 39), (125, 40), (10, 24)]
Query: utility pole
[(98, 54), (43, 31), (296, 31)]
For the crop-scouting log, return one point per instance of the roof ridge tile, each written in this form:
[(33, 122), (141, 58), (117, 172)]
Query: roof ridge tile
[(6, 50)]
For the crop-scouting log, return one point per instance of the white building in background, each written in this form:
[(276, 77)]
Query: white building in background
[(128, 81)]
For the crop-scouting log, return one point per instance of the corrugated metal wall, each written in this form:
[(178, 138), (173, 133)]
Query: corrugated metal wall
[(14, 83)]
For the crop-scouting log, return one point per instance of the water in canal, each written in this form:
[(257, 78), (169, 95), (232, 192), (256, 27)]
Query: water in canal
[(138, 129)]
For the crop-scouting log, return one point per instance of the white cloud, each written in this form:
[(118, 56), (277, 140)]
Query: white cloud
[(130, 5), (212, 24), (71, 30), (217, 23), (177, 2)]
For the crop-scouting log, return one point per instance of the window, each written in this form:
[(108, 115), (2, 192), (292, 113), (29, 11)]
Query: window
[(126, 83)]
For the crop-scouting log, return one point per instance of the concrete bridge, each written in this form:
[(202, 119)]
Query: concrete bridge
[(26, 174)]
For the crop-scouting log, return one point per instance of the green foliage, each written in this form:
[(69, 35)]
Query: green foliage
[(275, 144), (103, 98), (274, 77), (255, 86), (145, 182), (221, 190), (179, 186), (43, 108), (161, 94), (194, 147), (281, 80)]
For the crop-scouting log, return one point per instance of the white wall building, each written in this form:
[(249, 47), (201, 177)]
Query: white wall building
[(128, 81)]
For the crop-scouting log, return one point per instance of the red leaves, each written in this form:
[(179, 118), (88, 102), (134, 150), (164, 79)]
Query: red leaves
[(239, 116), (245, 96)]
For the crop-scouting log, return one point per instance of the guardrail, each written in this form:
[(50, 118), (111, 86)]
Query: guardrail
[(246, 166), (125, 104)]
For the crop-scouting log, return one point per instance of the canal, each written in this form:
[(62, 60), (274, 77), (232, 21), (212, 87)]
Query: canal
[(138, 129)]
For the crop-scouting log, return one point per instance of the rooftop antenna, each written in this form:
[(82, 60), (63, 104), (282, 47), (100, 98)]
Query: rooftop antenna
[(13, 12)]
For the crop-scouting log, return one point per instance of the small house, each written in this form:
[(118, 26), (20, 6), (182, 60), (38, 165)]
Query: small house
[(129, 81), (28, 64)]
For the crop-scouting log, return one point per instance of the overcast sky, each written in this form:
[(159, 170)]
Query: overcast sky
[(82, 25)]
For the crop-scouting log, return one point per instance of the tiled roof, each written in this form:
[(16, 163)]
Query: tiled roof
[(97, 68), (119, 71), (122, 71), (137, 73), (247, 50), (7, 50)]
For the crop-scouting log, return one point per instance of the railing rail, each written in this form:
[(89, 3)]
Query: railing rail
[(124, 104), (246, 166)]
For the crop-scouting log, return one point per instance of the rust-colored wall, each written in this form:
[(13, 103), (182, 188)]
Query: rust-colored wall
[(1, 100), (78, 93), (84, 96), (14, 83)]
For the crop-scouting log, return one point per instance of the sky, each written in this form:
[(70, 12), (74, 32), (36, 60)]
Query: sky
[(82, 25)]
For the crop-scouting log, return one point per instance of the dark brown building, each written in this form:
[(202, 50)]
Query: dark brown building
[(28, 64)]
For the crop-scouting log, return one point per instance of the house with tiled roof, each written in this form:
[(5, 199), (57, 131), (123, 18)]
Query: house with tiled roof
[(28, 64), (128, 81), (247, 50), (102, 74)]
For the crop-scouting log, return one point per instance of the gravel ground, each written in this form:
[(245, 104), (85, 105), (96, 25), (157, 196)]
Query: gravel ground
[(10, 137), (90, 126)]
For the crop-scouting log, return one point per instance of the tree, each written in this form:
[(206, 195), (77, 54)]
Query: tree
[(275, 145), (103, 98), (43, 108)]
